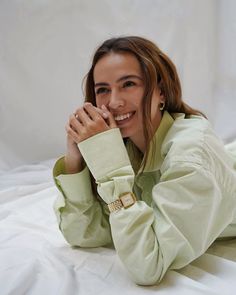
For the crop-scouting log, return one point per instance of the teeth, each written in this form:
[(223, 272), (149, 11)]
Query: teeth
[(122, 117)]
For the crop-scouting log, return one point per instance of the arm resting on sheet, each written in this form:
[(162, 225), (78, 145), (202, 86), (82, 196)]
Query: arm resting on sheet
[(80, 215), (182, 221)]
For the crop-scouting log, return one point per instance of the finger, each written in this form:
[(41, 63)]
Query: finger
[(75, 125), (74, 122), (73, 134), (82, 116), (110, 119), (103, 113), (94, 113)]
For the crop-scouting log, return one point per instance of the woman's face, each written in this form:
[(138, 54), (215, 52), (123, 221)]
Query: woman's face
[(119, 86)]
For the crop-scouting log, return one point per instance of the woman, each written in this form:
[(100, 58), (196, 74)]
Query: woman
[(143, 171)]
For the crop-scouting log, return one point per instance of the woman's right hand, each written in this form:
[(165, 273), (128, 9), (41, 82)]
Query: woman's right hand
[(74, 162)]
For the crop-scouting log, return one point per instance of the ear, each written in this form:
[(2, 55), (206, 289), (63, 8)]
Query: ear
[(160, 89), (161, 93)]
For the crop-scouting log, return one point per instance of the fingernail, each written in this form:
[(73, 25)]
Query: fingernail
[(105, 114)]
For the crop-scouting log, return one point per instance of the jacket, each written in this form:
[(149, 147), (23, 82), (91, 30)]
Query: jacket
[(186, 196)]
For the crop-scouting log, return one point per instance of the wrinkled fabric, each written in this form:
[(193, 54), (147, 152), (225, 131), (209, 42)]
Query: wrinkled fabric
[(186, 197), (34, 255)]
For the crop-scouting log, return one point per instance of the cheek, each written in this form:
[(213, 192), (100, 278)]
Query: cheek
[(154, 108), (139, 112), (136, 100), (139, 104)]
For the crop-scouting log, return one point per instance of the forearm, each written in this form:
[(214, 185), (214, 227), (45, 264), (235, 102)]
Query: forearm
[(136, 243), (84, 224), (132, 228), (80, 214), (73, 165)]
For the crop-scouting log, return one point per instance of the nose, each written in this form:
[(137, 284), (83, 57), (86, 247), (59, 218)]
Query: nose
[(116, 101)]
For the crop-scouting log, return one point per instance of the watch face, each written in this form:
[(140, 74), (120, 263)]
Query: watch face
[(124, 201), (127, 200)]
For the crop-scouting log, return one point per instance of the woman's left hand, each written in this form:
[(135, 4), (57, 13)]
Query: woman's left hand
[(93, 120)]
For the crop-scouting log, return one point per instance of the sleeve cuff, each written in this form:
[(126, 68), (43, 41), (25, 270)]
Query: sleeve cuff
[(104, 153), (75, 187), (59, 167)]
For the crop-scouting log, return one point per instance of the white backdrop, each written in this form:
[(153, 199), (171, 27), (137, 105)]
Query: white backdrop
[(46, 48)]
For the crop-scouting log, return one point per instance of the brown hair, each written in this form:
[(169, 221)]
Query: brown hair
[(157, 69)]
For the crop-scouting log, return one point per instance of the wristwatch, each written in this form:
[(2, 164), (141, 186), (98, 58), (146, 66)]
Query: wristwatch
[(125, 200)]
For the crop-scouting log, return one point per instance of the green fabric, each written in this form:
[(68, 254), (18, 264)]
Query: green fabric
[(186, 197)]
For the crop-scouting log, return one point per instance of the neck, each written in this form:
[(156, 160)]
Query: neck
[(139, 139), (139, 142)]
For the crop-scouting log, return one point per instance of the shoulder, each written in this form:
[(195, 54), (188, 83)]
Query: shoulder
[(192, 149), (189, 139)]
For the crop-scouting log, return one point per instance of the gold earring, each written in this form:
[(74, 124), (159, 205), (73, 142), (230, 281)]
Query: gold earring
[(162, 105)]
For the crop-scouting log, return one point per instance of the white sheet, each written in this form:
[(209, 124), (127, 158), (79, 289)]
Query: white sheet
[(35, 259)]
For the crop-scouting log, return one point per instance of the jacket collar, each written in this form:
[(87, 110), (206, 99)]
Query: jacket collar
[(154, 157)]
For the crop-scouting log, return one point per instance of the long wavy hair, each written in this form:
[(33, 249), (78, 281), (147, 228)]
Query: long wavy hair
[(157, 70)]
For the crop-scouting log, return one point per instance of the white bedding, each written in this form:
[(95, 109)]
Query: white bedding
[(35, 259)]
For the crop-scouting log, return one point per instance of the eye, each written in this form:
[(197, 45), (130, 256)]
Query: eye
[(128, 84), (102, 90)]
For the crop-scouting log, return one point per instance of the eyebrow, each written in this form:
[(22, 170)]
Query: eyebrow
[(119, 80)]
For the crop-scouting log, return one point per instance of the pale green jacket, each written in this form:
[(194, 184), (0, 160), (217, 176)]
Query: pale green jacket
[(186, 197)]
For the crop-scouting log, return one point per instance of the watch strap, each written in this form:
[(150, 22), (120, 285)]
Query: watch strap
[(125, 200)]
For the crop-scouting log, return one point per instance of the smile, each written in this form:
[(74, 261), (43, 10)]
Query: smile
[(120, 118)]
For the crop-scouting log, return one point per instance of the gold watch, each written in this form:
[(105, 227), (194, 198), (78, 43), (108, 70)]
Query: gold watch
[(125, 200)]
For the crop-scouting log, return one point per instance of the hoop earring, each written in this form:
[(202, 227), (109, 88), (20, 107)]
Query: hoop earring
[(162, 105)]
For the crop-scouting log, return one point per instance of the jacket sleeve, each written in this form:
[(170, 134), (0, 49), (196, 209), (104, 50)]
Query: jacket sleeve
[(81, 216), (178, 225)]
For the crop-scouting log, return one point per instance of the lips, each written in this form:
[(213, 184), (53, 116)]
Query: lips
[(122, 117)]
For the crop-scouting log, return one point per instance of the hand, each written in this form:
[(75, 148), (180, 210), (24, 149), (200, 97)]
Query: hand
[(89, 121), (78, 131)]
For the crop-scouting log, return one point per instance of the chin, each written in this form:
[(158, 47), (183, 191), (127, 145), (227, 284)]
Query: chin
[(126, 133)]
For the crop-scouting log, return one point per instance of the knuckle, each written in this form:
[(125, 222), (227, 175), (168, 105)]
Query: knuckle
[(69, 132), (99, 119), (78, 109), (72, 118), (87, 104), (76, 114)]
